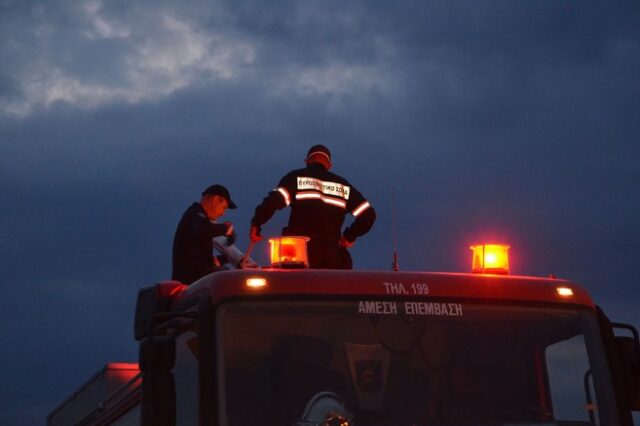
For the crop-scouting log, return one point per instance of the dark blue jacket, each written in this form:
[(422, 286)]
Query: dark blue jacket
[(319, 201), (193, 245)]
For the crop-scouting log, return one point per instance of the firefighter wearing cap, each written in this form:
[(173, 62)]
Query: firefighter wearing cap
[(192, 244), (319, 201)]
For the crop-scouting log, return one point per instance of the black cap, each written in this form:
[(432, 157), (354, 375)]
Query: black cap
[(319, 149), (222, 192)]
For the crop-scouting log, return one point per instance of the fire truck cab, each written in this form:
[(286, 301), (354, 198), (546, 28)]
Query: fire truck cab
[(296, 346)]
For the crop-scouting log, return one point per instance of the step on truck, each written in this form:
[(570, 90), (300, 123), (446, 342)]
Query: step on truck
[(288, 345)]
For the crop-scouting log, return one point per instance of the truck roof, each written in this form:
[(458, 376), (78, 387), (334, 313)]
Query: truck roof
[(388, 284)]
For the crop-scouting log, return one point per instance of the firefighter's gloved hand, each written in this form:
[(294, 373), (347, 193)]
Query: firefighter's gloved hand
[(254, 234), (346, 243)]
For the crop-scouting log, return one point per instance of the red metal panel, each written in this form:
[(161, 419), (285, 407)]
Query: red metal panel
[(420, 285)]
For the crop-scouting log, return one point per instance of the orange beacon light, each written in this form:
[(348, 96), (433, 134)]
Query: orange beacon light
[(490, 259), (289, 252)]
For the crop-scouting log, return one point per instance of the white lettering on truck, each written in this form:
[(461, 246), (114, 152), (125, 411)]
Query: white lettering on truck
[(394, 288), (401, 288), (378, 308), (435, 309)]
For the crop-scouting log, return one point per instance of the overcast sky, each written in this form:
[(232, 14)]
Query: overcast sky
[(506, 121)]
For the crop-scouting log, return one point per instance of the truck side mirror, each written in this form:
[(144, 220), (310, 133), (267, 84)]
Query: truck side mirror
[(629, 353), (157, 354), (151, 301)]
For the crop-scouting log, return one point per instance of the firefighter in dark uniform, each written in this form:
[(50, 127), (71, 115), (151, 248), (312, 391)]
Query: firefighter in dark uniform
[(192, 244), (319, 201)]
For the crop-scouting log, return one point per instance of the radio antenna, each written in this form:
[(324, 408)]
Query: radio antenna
[(394, 231)]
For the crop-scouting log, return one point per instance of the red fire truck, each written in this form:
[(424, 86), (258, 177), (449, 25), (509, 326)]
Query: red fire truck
[(287, 345)]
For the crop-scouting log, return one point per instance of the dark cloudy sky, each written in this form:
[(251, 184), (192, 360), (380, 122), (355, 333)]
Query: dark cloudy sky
[(512, 121)]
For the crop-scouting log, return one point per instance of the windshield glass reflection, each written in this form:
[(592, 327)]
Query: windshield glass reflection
[(410, 363)]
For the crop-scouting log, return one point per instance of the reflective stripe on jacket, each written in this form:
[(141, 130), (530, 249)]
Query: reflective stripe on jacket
[(319, 201)]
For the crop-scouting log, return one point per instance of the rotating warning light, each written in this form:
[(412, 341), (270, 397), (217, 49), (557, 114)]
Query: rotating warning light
[(289, 252), (490, 259)]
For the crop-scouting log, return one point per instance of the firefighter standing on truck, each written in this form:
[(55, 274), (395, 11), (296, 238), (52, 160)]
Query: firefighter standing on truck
[(192, 244), (319, 201)]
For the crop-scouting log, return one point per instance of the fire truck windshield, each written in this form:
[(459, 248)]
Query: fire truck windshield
[(407, 362)]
